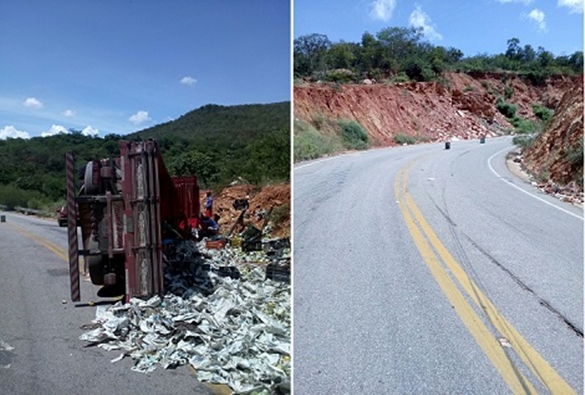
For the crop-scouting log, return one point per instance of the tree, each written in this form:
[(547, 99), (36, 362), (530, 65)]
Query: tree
[(341, 56), (309, 53), (399, 43)]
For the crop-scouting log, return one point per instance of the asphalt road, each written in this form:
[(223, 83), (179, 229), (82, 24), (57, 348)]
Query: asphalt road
[(422, 270), (40, 350)]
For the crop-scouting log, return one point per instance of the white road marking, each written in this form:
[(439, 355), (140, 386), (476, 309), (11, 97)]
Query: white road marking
[(522, 190)]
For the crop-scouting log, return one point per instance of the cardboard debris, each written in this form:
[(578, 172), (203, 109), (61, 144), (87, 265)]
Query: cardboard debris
[(232, 331)]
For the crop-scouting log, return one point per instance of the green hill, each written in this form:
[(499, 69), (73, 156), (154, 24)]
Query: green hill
[(217, 143)]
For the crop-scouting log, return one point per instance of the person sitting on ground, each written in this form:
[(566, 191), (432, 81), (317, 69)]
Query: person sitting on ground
[(209, 226)]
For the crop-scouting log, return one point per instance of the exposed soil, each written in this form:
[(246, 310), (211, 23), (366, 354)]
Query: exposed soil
[(461, 108), (272, 198)]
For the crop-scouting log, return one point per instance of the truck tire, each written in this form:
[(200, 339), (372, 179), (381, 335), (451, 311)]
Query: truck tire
[(90, 188), (95, 264)]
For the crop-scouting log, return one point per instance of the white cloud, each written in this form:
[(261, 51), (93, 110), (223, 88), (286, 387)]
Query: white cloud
[(55, 129), (188, 80), (538, 16), (32, 102), (89, 131), (69, 113), (420, 19), (139, 117), (58, 129), (10, 132), (382, 9), (574, 6), (525, 2)]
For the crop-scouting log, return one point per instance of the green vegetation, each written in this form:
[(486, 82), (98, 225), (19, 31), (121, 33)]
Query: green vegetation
[(354, 135), (542, 113), (400, 54), (309, 143), (216, 143), (507, 109), (402, 138)]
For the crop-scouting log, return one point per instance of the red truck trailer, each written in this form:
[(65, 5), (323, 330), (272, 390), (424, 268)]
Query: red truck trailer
[(125, 205)]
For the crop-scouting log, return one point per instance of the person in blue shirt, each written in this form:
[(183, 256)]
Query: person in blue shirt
[(208, 205)]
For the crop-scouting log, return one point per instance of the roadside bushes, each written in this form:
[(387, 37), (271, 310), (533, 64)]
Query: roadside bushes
[(354, 135), (309, 143), (402, 139), (13, 196), (542, 113), (505, 108)]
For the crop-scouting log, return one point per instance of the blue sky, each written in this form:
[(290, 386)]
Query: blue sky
[(473, 26), (119, 66)]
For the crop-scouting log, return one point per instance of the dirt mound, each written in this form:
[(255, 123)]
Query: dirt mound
[(557, 154), (462, 107), (262, 200)]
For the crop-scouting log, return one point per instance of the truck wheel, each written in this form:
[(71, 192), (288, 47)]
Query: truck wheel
[(90, 188), (95, 264)]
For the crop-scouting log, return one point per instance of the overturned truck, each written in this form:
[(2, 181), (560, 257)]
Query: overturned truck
[(123, 208)]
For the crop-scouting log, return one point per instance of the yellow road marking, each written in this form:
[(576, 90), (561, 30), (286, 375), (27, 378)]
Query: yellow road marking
[(545, 373), (61, 253), (487, 341)]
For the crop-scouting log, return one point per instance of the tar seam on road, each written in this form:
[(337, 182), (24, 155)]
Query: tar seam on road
[(487, 341), (489, 161)]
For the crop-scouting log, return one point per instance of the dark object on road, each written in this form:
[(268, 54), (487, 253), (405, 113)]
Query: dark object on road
[(482, 140), (447, 145), (2, 218)]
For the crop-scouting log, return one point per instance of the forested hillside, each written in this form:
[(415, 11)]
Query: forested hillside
[(217, 143), (399, 54)]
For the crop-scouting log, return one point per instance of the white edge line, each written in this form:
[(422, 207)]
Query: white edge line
[(522, 190)]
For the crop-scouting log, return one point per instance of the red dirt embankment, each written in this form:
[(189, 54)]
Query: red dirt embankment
[(261, 200), (559, 149), (463, 107)]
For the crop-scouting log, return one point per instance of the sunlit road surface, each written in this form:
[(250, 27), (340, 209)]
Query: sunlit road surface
[(425, 270)]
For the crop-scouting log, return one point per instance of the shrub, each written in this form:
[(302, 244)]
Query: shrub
[(354, 135), (507, 109), (12, 196), (523, 126), (341, 76), (508, 92), (524, 142), (575, 154), (402, 138), (468, 88), (311, 144), (542, 113), (400, 77)]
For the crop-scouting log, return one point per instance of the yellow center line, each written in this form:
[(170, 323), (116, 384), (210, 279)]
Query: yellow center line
[(60, 252), (545, 373), (482, 335)]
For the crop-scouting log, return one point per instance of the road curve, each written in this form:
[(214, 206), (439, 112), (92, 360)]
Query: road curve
[(423, 270), (40, 350)]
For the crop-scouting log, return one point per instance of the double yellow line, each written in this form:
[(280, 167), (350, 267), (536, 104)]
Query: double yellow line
[(60, 252), (433, 253)]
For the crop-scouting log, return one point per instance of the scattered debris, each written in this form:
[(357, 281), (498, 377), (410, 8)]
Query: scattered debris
[(226, 313), (504, 342)]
